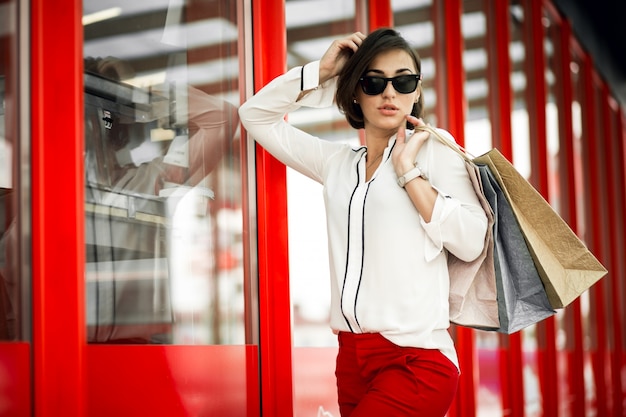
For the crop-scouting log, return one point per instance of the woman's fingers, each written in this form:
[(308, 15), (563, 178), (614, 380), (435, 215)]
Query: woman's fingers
[(338, 53), (356, 39), (414, 120), (401, 135)]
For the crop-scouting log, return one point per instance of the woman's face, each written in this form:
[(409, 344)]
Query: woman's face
[(384, 113)]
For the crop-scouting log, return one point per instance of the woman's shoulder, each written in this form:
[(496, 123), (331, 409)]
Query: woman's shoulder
[(442, 140), (443, 147)]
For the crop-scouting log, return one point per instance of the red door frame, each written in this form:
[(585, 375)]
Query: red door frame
[(58, 242), (269, 58)]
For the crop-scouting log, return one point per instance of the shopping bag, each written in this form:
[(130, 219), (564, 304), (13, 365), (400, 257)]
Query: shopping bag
[(566, 267), (473, 293), (522, 299), (519, 294)]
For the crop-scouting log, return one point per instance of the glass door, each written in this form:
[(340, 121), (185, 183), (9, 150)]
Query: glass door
[(168, 306)]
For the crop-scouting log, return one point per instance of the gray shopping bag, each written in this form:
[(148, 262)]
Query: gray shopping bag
[(522, 298)]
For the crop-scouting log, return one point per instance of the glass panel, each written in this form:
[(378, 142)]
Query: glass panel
[(163, 172), (14, 214)]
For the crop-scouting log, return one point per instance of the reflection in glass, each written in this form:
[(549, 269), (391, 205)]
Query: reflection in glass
[(13, 304), (162, 171)]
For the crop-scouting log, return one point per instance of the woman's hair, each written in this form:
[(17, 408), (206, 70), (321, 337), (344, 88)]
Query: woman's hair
[(381, 40)]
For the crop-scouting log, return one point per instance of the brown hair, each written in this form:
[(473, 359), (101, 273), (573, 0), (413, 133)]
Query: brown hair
[(381, 40)]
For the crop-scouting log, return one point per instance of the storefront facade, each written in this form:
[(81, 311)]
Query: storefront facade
[(155, 261)]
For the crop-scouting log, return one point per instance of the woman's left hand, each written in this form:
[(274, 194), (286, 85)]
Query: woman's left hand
[(405, 151)]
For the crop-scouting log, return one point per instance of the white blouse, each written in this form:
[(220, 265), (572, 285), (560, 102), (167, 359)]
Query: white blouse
[(388, 266)]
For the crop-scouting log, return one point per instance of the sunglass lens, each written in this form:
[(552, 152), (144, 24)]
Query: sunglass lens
[(373, 85), (405, 84)]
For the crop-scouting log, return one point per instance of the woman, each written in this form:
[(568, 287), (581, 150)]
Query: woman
[(394, 208)]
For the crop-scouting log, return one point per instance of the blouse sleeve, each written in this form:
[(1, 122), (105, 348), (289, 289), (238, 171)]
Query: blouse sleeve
[(458, 223), (263, 116)]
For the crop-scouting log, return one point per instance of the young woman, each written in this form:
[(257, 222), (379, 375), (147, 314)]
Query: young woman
[(394, 207)]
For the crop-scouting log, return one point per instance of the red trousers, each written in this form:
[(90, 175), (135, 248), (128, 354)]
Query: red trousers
[(375, 377)]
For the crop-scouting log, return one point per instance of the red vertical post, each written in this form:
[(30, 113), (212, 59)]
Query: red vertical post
[(572, 317), (613, 246), (270, 45), (593, 218), (454, 77), (451, 107), (499, 67), (380, 14), (536, 93), (621, 232), (537, 99), (58, 240)]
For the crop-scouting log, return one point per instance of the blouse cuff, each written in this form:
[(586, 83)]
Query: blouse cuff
[(434, 239), (310, 76)]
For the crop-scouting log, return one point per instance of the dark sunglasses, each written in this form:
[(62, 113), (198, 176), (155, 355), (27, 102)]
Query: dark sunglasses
[(404, 84)]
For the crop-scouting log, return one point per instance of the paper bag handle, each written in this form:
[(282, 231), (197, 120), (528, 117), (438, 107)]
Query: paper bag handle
[(452, 145)]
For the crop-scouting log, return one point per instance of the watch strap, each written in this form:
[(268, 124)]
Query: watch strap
[(410, 175)]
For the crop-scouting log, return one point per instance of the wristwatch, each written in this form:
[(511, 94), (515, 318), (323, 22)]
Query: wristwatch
[(411, 175)]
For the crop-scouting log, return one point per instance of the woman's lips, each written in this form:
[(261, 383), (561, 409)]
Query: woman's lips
[(388, 110)]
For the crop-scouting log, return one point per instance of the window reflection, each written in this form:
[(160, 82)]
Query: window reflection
[(12, 289), (162, 171)]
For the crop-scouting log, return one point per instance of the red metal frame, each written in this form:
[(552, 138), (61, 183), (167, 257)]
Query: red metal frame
[(620, 140), (574, 400), (451, 102), (546, 330), (592, 167), (607, 147), (500, 97), (500, 105), (581, 356), (380, 14), (173, 380), (58, 241), (270, 47), (450, 109)]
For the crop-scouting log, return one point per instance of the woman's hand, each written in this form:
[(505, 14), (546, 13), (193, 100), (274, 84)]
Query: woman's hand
[(337, 54), (405, 151)]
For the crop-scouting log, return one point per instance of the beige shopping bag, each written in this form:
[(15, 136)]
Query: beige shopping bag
[(567, 268), (473, 292)]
